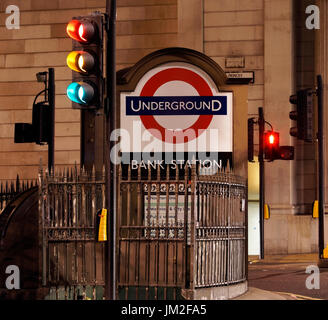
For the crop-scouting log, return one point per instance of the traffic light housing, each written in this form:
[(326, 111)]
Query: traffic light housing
[(286, 152), (86, 62), (271, 146), (251, 139), (41, 118), (39, 131), (24, 133), (303, 115)]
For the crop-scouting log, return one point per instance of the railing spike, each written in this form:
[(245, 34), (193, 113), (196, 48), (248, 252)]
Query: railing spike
[(17, 184), (65, 174), (104, 171), (139, 172), (149, 172), (74, 169), (60, 174), (193, 171), (228, 166), (129, 172), (57, 174), (93, 173), (40, 167), (47, 172), (158, 168), (186, 171), (71, 174), (176, 172), (119, 171)]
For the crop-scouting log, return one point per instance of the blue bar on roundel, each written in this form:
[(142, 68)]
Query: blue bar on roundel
[(169, 105)]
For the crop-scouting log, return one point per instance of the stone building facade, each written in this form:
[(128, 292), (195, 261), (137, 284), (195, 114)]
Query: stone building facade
[(267, 36)]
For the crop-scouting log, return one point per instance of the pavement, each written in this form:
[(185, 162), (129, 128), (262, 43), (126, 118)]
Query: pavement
[(287, 258), (259, 294)]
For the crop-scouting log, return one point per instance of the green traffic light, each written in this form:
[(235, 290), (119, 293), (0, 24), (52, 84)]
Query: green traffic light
[(80, 92)]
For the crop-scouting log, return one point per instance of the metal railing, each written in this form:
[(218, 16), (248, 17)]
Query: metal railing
[(178, 229), (11, 188), (72, 260), (220, 230)]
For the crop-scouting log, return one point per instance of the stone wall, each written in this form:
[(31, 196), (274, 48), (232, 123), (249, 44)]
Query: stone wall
[(235, 28), (41, 42)]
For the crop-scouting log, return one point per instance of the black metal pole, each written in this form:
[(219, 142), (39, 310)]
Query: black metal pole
[(110, 107), (261, 164), (51, 97), (321, 167)]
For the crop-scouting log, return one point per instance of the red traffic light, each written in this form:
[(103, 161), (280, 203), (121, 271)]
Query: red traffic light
[(271, 138), (81, 30), (271, 145)]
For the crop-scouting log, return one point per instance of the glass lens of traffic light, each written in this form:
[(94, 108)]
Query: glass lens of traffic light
[(80, 92), (272, 139), (81, 61), (82, 31)]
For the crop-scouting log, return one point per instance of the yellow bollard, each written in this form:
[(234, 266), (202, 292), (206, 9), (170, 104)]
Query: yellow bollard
[(325, 252), (315, 209), (102, 231), (266, 212)]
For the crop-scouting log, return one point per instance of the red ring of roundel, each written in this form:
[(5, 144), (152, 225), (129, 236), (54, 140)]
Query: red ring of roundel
[(176, 74)]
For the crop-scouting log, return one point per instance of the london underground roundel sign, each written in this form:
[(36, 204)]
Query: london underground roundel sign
[(177, 107)]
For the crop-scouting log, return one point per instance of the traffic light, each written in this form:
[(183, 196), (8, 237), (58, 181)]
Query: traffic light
[(271, 147), (286, 152), (40, 130), (86, 62), (303, 114), (24, 133), (251, 139), (41, 118)]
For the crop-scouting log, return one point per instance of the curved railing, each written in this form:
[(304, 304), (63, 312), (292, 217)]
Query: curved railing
[(179, 229)]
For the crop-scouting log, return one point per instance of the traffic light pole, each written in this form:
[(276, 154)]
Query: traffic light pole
[(51, 99), (110, 111), (320, 167), (261, 123)]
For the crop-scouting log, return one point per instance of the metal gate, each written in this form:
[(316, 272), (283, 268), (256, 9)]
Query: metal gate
[(178, 230), (72, 261)]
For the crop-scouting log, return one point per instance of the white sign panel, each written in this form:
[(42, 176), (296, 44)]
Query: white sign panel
[(176, 107)]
